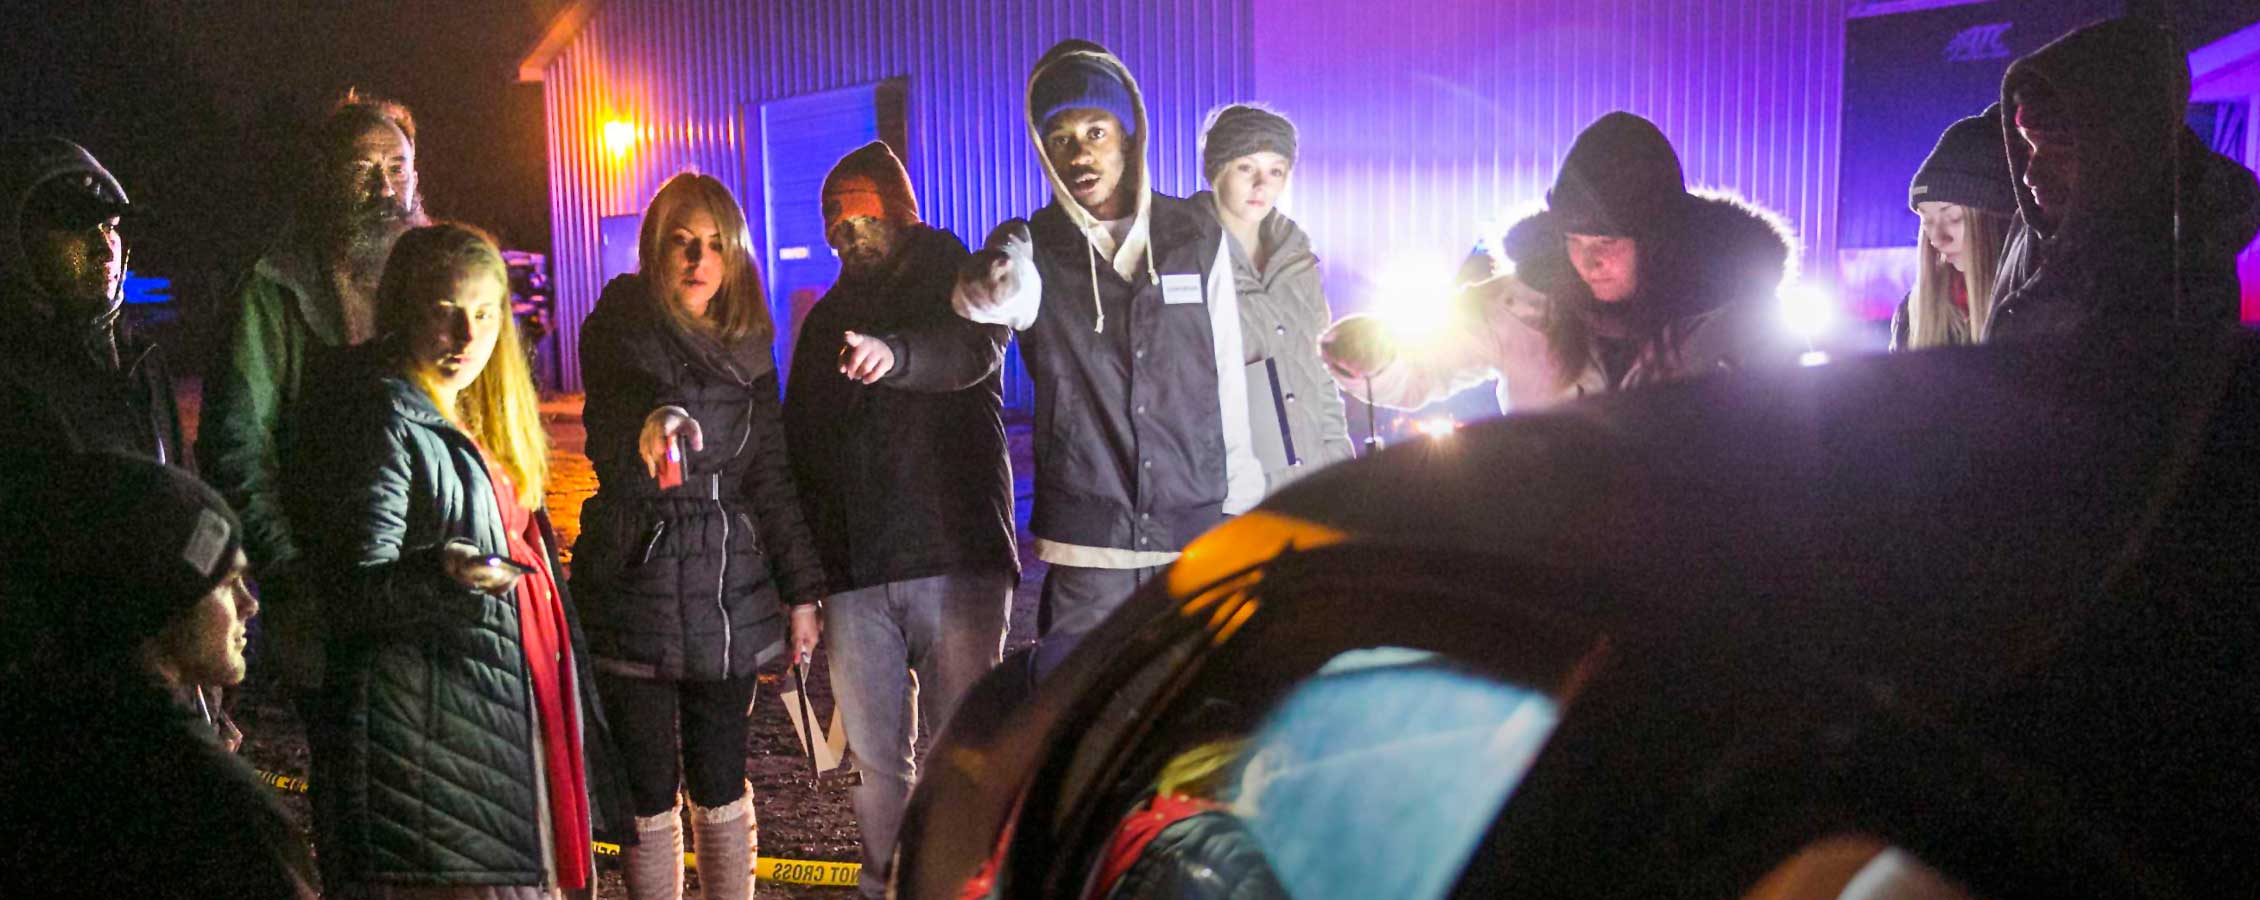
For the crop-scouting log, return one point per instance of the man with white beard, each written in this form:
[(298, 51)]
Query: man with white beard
[(312, 292)]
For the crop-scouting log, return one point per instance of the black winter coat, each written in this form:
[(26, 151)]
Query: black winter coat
[(110, 789), (57, 396), (686, 583), (424, 768), (906, 478)]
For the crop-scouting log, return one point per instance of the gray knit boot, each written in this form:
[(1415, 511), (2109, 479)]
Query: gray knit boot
[(655, 863), (727, 842)]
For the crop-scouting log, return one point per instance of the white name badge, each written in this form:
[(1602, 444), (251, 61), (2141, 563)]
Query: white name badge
[(1176, 289)]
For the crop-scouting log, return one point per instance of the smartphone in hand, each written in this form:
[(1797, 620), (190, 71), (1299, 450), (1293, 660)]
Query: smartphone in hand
[(498, 561), (671, 465)]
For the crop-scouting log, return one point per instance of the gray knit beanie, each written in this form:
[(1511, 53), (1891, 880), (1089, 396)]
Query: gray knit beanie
[(1240, 129), (104, 549), (1970, 167)]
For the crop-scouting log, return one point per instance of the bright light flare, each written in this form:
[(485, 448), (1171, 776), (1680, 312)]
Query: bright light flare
[(1807, 310), (619, 136), (1415, 297), (1437, 427)]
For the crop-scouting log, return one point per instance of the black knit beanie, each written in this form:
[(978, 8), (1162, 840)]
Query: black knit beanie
[(1238, 130), (1621, 178), (1970, 167), (105, 549), (1541, 255)]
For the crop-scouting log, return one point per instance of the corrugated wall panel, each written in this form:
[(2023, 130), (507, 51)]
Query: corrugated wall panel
[(1422, 124), (1422, 120), (686, 73)]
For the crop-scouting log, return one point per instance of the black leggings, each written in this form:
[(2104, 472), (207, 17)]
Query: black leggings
[(709, 759)]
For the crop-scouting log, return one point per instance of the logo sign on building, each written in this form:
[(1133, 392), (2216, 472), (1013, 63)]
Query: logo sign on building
[(1980, 43)]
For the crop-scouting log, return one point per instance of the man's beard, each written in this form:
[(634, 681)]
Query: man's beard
[(360, 242)]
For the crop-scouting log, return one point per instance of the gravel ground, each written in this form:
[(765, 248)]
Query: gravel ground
[(798, 820)]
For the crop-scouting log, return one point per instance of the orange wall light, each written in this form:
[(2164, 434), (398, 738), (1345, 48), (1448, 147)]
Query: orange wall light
[(619, 136)]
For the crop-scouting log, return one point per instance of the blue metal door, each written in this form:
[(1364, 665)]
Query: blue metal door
[(801, 138)]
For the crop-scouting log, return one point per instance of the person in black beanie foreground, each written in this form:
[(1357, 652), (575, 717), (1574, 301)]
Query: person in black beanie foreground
[(121, 593)]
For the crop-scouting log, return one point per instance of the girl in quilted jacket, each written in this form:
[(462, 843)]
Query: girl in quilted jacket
[(459, 750)]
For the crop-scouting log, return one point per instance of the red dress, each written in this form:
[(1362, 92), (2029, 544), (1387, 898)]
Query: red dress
[(549, 665)]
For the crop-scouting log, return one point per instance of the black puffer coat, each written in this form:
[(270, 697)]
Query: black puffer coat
[(686, 583), (59, 395), (906, 478), (424, 768)]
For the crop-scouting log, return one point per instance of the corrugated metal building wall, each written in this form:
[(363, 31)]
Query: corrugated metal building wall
[(686, 74), (1421, 119), (1421, 125)]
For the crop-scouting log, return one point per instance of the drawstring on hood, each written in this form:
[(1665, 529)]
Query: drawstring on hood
[(1135, 245)]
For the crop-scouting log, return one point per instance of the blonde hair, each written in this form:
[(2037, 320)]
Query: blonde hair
[(740, 310), (1932, 320), (499, 409)]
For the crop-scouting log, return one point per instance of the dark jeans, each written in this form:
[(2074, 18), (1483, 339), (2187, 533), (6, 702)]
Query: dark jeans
[(1077, 599), (709, 757), (902, 654)]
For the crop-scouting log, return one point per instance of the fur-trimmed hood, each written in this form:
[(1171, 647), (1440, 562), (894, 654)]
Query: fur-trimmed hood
[(1724, 250)]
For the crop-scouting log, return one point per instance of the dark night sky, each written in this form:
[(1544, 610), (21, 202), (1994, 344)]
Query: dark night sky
[(197, 106)]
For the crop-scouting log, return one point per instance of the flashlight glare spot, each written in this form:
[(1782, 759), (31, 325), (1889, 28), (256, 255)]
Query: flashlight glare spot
[(1437, 426), (1415, 297), (1807, 310)]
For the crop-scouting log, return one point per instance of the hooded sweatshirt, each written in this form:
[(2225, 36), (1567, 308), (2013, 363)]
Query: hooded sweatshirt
[(1142, 438), (70, 379), (2157, 218)]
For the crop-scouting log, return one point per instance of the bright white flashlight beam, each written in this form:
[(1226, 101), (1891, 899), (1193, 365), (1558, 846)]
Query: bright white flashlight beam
[(1807, 310), (1415, 296), (1436, 426)]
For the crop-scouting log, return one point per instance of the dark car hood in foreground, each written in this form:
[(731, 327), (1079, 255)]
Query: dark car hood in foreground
[(2028, 540)]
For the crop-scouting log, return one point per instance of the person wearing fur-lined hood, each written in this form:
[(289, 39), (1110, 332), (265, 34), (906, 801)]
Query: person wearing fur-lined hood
[(1627, 279), (1127, 316)]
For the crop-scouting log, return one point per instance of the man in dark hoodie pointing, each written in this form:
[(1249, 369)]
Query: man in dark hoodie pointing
[(1129, 321), (893, 417), (2123, 214)]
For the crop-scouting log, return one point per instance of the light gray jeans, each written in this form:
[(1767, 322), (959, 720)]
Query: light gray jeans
[(947, 631)]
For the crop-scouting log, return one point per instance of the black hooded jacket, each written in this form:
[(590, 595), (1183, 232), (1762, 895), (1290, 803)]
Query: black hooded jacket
[(2157, 219), (70, 385), (908, 477)]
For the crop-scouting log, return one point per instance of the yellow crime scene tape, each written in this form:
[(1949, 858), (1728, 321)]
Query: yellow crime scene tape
[(766, 868)]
